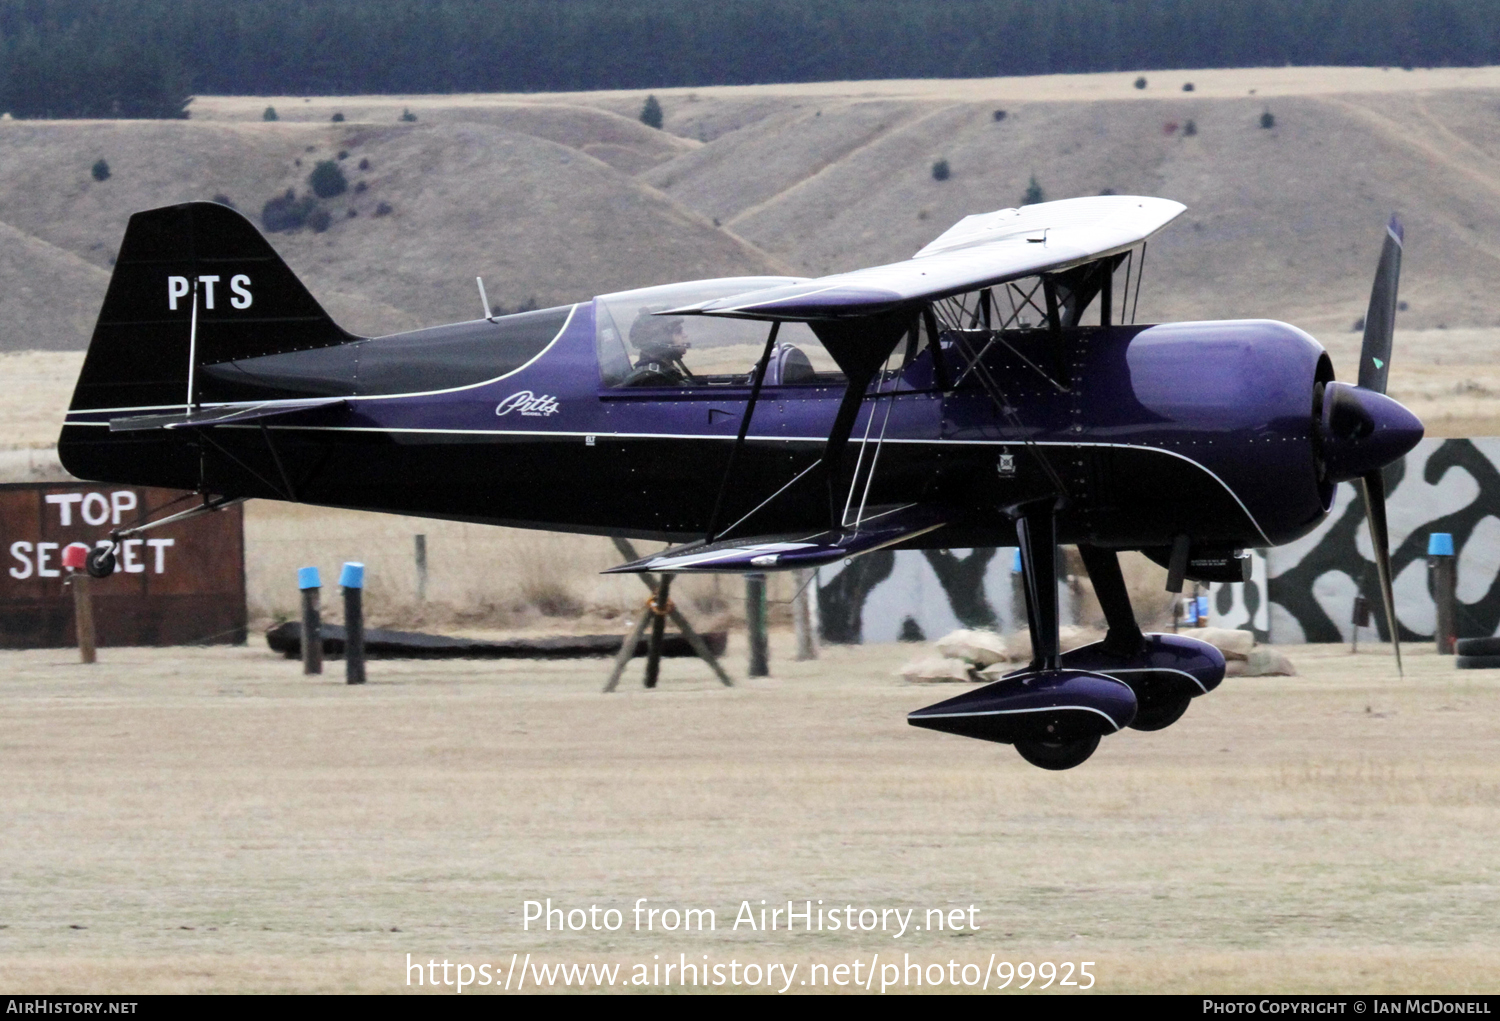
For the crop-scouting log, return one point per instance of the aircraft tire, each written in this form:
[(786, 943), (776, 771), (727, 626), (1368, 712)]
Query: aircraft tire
[(1160, 714), (1058, 754), (100, 562), (1477, 647)]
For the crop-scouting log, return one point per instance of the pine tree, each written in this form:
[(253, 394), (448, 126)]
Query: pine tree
[(651, 113)]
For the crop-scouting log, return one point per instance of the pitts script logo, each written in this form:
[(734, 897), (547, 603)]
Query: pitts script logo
[(529, 404)]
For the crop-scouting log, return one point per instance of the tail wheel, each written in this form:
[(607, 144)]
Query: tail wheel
[(100, 563), (1058, 754)]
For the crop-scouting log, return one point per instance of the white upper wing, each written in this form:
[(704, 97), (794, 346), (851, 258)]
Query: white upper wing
[(978, 251)]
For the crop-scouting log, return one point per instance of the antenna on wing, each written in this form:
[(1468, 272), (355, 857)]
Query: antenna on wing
[(484, 299)]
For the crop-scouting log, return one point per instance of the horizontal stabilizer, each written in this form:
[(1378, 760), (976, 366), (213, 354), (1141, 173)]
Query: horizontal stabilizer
[(223, 414), (786, 552), (978, 251)]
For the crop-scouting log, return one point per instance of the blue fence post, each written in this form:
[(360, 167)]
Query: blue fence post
[(312, 620), (1442, 566), (352, 579)]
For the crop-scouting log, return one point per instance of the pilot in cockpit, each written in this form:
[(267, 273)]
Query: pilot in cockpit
[(660, 345)]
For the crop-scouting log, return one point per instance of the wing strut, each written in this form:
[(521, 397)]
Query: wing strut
[(760, 378), (861, 346), (939, 367), (1140, 273)]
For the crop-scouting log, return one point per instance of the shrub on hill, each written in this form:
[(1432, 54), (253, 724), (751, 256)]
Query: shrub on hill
[(319, 219), (529, 305), (328, 180), (408, 116), (1268, 119), (287, 212), (100, 170), (1140, 82), (651, 113), (270, 114), (337, 118), (940, 171), (1034, 193)]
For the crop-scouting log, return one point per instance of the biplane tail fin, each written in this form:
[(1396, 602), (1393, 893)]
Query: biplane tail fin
[(194, 284)]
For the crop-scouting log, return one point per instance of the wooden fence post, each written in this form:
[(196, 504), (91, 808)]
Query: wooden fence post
[(83, 615), (755, 623), (420, 542), (803, 616), (75, 562)]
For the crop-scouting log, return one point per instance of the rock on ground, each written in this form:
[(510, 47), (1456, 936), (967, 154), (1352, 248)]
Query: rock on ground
[(980, 648)]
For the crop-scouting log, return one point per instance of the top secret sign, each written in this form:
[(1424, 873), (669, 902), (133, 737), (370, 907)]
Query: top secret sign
[(181, 584)]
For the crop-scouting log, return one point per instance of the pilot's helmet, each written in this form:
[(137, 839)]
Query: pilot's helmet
[(657, 337)]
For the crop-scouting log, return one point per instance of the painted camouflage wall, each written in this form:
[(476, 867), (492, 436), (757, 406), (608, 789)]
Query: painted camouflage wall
[(1303, 592), (923, 594), (1442, 486)]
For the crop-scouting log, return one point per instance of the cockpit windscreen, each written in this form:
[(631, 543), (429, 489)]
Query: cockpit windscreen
[(640, 349)]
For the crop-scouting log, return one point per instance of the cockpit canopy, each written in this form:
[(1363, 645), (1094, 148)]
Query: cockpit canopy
[(638, 348)]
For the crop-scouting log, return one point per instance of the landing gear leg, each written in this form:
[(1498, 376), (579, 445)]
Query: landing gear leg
[(1124, 637), (1054, 714), (1160, 705), (1037, 530)]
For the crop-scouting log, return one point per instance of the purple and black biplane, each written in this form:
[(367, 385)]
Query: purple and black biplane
[(989, 391)]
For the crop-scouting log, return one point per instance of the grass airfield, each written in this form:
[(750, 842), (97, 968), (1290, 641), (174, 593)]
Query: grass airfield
[(185, 820)]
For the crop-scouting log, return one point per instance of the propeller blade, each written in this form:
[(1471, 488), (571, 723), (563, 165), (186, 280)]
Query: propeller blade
[(1380, 320), (1372, 488)]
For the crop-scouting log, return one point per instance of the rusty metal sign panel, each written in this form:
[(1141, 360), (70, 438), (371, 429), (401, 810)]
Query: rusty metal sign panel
[(182, 584)]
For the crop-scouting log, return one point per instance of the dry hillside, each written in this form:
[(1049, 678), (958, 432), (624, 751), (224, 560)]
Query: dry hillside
[(565, 195), (560, 196), (556, 197)]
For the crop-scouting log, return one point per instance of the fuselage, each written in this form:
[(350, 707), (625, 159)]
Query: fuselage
[(1201, 429)]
